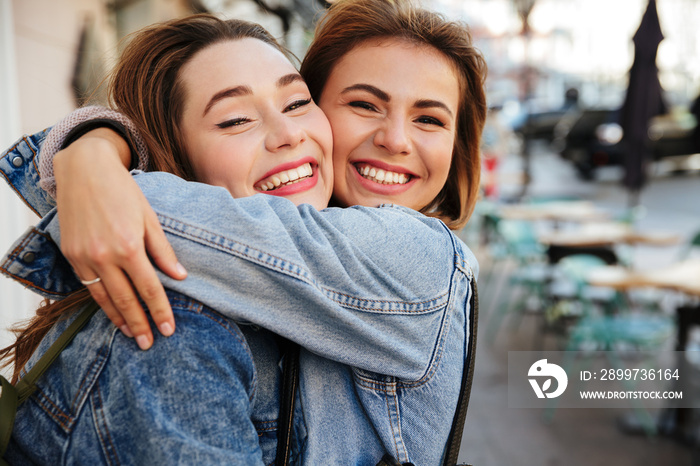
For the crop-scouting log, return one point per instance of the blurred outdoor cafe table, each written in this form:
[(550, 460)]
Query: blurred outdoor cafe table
[(607, 234), (567, 211), (682, 276)]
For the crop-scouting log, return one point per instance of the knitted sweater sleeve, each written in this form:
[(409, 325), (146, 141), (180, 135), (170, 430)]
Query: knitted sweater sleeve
[(56, 140)]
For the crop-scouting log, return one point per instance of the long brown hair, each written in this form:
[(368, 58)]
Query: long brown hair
[(145, 86), (349, 23)]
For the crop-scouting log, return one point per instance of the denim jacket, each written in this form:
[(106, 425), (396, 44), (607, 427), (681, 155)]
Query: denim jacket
[(377, 297)]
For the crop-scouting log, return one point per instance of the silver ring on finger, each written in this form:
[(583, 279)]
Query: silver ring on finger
[(90, 282)]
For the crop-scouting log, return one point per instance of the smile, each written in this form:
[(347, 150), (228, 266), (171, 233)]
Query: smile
[(381, 176), (285, 178)]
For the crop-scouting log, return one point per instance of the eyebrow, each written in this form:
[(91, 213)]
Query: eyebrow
[(427, 103), (422, 103), (237, 91), (378, 93)]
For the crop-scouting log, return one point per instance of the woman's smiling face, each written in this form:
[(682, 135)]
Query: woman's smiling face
[(249, 124), (393, 107)]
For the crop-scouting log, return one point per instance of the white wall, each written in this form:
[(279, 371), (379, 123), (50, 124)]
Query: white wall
[(38, 44), (15, 301)]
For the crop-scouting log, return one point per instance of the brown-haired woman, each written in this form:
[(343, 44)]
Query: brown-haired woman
[(189, 399), (386, 27), (418, 126)]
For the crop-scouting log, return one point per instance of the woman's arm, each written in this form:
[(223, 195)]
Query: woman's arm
[(367, 287), (109, 229), (370, 287)]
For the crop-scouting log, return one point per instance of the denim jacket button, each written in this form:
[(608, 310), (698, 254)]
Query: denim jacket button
[(17, 161), (29, 257)]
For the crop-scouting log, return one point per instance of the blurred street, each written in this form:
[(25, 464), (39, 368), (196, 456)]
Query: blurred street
[(496, 435)]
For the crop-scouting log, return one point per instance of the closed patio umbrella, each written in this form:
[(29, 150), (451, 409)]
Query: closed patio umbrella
[(643, 101)]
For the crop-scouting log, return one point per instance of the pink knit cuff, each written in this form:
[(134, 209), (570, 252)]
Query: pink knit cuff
[(56, 137)]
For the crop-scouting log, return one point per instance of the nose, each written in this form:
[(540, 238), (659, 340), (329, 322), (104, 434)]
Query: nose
[(283, 133), (393, 137)]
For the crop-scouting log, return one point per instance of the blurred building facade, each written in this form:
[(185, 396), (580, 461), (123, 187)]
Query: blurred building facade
[(585, 44)]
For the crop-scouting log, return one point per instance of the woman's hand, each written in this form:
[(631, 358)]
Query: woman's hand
[(107, 226)]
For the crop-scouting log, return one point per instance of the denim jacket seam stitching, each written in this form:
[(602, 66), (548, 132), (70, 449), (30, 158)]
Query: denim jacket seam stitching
[(285, 270), (91, 377), (30, 284), (13, 256), (52, 410), (459, 258), (374, 384), (29, 144), (438, 303), (108, 440), (27, 239), (392, 394), (395, 398), (464, 265), (223, 322), (12, 149), (196, 307), (441, 341), (265, 426), (286, 267), (19, 193)]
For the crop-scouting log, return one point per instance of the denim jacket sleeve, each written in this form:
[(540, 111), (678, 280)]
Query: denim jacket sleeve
[(368, 287)]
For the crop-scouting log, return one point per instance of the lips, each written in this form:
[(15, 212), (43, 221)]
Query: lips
[(284, 178)]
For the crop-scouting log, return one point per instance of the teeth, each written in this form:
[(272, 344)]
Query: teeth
[(382, 176), (286, 177)]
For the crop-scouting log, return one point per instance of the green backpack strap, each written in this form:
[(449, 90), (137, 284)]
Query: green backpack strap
[(12, 396), (8, 408)]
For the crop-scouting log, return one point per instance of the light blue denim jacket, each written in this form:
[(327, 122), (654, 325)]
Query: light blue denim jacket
[(377, 297)]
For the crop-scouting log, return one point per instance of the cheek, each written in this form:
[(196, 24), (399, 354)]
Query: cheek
[(340, 169), (441, 157), (341, 128)]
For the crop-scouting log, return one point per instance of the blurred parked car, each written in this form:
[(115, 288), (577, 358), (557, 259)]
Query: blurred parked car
[(591, 138)]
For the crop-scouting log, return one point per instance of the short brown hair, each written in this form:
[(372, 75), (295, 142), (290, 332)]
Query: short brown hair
[(348, 23)]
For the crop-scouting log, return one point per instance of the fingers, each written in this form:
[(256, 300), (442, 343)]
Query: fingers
[(99, 294), (160, 249), (123, 307), (153, 294)]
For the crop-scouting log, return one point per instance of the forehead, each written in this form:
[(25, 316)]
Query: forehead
[(402, 62), (234, 62)]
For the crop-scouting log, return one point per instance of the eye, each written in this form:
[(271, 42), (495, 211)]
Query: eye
[(428, 120), (362, 104), (297, 104), (233, 122)]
